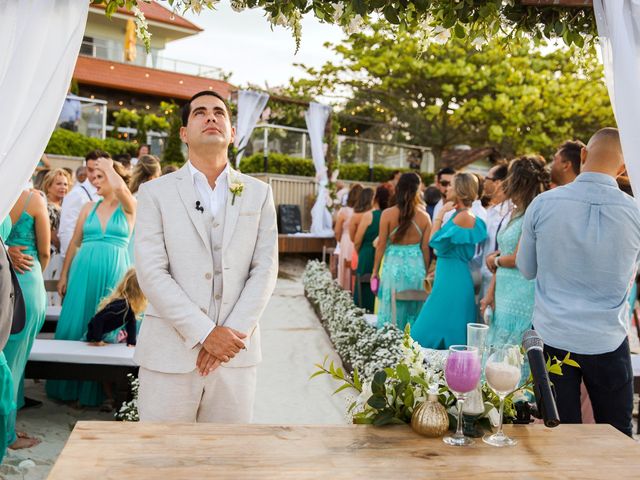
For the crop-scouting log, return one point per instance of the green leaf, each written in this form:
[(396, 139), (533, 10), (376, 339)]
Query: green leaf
[(555, 369), (403, 373), (384, 418), (377, 401), (359, 6), (319, 372), (571, 363), (409, 398), (343, 387), (356, 379), (391, 15), (460, 31)]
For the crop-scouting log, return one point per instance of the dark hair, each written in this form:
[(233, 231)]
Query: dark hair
[(354, 193), (445, 171), (528, 178), (501, 171), (186, 108), (169, 169), (382, 197), (570, 150), (365, 201), (96, 154), (393, 174), (432, 195), (123, 158), (407, 200)]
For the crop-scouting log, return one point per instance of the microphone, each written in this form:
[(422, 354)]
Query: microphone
[(199, 207), (545, 399)]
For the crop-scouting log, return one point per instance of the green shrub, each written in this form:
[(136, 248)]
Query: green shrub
[(65, 142), (173, 149), (286, 165)]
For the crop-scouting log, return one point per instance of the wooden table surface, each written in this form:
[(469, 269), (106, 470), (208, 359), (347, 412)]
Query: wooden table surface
[(122, 451)]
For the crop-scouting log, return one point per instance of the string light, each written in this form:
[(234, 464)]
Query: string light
[(111, 67), (147, 107), (120, 102), (181, 82), (146, 75)]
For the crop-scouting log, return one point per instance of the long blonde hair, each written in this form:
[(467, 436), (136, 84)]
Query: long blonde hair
[(148, 167), (129, 289)]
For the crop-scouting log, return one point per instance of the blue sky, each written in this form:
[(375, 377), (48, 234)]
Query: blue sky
[(244, 44)]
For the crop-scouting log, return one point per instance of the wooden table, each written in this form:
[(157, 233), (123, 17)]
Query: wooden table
[(112, 450)]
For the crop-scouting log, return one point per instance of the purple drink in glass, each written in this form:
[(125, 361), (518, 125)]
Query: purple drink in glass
[(462, 370)]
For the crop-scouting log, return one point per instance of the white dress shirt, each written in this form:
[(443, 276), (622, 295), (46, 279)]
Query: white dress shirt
[(498, 218), (213, 199), (72, 203)]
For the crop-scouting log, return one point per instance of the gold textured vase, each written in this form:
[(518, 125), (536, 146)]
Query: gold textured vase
[(430, 418)]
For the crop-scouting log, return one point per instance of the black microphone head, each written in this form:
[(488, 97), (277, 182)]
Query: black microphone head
[(531, 339)]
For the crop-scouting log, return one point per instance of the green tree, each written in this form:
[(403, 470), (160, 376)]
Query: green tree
[(173, 150), (517, 99)]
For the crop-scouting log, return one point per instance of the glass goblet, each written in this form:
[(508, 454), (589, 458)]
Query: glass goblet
[(462, 373), (503, 372)]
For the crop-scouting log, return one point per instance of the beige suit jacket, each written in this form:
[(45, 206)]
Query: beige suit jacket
[(174, 264)]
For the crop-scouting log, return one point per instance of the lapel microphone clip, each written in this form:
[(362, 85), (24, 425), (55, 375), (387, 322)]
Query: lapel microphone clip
[(199, 207)]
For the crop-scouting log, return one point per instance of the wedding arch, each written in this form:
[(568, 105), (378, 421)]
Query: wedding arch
[(42, 42)]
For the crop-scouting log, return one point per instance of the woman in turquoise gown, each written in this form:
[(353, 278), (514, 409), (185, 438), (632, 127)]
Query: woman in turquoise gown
[(96, 261), (510, 294), (30, 229), (404, 230), (7, 403), (451, 305)]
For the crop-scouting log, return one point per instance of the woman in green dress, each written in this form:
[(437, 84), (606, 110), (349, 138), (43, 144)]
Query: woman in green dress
[(7, 403), (451, 305), (96, 261), (403, 241), (510, 295), (31, 233), (364, 237)]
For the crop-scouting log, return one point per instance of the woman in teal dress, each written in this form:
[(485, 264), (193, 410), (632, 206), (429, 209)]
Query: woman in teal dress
[(451, 305), (31, 229), (7, 403), (403, 241), (96, 261), (510, 294), (364, 237)]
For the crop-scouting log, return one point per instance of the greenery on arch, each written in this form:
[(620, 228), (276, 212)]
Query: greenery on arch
[(476, 20)]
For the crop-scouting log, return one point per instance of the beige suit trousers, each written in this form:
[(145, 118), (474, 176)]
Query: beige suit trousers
[(224, 396)]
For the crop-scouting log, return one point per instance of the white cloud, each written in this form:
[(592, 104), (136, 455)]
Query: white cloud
[(244, 44)]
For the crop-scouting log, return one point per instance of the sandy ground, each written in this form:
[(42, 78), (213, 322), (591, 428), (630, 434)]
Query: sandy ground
[(292, 340)]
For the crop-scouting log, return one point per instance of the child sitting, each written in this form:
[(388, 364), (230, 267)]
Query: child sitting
[(117, 317)]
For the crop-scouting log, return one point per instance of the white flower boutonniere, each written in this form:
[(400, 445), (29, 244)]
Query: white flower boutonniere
[(236, 189)]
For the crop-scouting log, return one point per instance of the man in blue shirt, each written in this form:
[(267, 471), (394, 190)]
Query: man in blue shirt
[(581, 242)]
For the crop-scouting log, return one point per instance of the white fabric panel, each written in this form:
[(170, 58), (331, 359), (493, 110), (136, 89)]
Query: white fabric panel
[(39, 42), (618, 24), (316, 117), (69, 351), (250, 106)]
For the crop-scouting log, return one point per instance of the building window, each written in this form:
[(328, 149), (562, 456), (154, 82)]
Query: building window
[(87, 47)]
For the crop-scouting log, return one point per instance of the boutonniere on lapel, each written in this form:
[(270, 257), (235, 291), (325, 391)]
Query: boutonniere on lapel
[(236, 189)]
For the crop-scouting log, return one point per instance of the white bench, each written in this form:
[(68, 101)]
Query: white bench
[(74, 360)]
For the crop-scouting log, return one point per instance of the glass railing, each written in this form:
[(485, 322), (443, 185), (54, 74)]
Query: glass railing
[(295, 142), (93, 116), (113, 50)]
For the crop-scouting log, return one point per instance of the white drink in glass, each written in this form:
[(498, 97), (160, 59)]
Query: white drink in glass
[(502, 377)]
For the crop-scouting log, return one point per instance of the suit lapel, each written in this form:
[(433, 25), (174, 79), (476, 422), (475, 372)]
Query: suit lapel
[(187, 193), (232, 209)]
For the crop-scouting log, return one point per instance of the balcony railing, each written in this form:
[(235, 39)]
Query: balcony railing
[(113, 50)]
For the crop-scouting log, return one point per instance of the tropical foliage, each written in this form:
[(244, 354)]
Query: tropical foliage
[(518, 98)]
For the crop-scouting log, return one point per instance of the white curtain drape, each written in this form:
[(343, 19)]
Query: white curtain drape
[(250, 106), (618, 24), (39, 44), (316, 117)]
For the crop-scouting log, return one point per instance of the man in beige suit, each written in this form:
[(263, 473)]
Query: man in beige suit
[(207, 259)]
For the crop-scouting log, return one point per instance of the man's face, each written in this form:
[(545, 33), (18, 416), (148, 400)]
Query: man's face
[(444, 183), (209, 124), (561, 170), (490, 183), (144, 150), (91, 171), (81, 174)]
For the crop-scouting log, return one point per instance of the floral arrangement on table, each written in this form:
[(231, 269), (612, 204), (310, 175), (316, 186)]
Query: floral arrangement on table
[(389, 373), (129, 410)]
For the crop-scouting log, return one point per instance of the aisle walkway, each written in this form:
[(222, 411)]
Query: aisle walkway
[(292, 341)]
